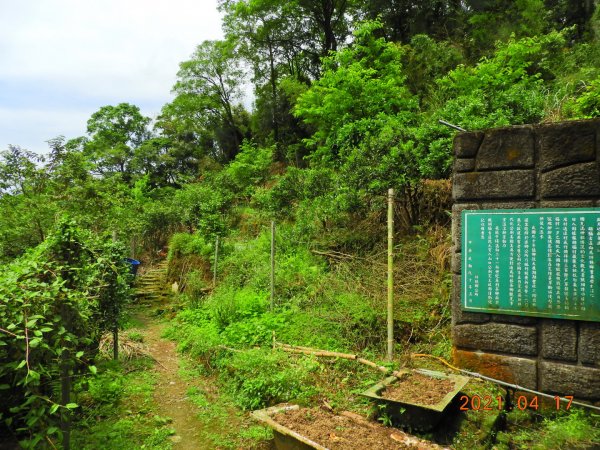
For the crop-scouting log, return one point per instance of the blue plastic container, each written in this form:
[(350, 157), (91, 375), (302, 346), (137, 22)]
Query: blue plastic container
[(133, 265)]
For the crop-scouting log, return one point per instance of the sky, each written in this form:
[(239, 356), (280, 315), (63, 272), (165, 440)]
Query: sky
[(61, 60)]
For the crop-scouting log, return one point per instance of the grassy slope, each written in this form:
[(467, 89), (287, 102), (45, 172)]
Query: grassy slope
[(336, 302)]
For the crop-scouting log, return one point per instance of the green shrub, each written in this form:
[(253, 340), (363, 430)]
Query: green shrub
[(229, 305), (106, 388), (259, 378), (201, 341), (203, 206), (249, 169), (183, 244), (55, 303), (195, 286), (588, 104), (255, 330)]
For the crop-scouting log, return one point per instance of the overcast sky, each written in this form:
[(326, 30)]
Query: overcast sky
[(61, 60)]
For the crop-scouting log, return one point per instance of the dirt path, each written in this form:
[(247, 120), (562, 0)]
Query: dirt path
[(170, 394)]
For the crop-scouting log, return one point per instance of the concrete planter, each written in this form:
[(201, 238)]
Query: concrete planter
[(413, 415), (285, 439)]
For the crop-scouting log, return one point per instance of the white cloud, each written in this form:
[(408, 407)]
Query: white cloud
[(93, 53), (19, 122)]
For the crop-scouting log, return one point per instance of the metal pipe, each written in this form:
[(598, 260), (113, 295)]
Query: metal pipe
[(448, 124)]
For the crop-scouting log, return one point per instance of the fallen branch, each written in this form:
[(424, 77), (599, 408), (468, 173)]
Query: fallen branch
[(315, 352), (372, 364), (326, 353)]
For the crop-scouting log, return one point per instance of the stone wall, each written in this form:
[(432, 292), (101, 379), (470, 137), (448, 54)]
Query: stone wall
[(543, 166)]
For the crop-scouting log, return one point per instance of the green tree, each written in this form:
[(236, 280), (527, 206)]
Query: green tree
[(509, 88), (270, 36), (208, 88), (403, 19), (362, 87), (115, 134), (25, 200), (363, 116), (283, 42)]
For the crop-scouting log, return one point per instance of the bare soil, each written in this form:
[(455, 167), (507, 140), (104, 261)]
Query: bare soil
[(347, 432), (418, 388)]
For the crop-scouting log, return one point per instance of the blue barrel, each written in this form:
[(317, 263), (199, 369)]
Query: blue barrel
[(133, 265)]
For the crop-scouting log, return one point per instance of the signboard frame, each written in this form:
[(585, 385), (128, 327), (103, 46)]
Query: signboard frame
[(534, 307)]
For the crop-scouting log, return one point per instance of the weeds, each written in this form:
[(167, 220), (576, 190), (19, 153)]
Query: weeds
[(121, 395)]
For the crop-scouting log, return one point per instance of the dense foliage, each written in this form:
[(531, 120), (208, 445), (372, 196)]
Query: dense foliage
[(56, 301), (347, 100)]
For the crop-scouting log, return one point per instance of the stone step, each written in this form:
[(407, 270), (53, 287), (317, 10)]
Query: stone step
[(151, 276), (150, 283), (150, 291), (151, 287), (151, 295), (159, 281)]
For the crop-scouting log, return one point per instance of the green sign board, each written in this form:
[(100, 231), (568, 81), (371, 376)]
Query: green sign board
[(532, 262)]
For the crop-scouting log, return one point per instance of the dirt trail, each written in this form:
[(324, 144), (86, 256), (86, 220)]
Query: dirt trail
[(170, 394)]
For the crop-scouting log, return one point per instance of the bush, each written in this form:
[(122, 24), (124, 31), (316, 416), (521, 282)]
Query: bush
[(587, 106), (56, 302), (258, 378), (200, 340), (248, 170), (184, 244), (255, 330), (229, 305)]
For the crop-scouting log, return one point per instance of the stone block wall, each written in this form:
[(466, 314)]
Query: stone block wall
[(542, 166)]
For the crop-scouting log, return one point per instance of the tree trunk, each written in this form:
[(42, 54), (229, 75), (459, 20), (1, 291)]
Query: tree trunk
[(273, 81)]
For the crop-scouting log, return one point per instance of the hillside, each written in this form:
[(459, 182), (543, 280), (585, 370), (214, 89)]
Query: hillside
[(347, 104)]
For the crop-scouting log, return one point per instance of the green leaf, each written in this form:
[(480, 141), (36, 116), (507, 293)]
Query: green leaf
[(53, 409), (79, 354), (93, 369), (71, 405), (4, 387)]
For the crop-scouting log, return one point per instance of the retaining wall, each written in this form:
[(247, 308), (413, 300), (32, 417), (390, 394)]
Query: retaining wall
[(542, 166)]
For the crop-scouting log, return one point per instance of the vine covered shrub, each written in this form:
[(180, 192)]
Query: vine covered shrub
[(55, 302)]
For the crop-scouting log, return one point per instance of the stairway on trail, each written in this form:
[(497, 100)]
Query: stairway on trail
[(151, 287)]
